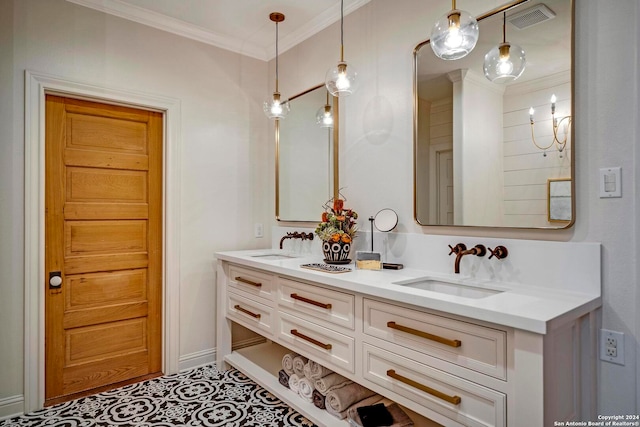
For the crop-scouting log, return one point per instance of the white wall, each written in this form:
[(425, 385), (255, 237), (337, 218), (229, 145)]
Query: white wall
[(377, 149), (225, 186)]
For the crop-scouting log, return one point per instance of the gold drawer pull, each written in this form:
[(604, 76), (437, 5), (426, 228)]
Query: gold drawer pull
[(311, 340), (248, 282), (422, 334), (310, 301), (451, 399), (245, 311)]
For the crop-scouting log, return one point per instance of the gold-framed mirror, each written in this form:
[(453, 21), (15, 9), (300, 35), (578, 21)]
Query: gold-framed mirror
[(481, 158), (306, 156)]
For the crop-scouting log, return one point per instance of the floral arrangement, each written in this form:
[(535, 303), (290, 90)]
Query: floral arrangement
[(338, 224)]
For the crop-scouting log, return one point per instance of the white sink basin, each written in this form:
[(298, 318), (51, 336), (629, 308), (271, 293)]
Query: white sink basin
[(273, 257), (448, 287)]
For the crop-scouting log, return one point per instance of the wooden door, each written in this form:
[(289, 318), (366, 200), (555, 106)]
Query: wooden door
[(103, 231)]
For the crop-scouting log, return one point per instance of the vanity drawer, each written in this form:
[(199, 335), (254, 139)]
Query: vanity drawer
[(252, 282), (332, 306), (327, 347), (458, 399), (249, 313), (472, 346)]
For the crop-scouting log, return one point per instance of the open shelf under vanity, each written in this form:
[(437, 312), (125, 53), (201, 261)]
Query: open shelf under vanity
[(261, 363)]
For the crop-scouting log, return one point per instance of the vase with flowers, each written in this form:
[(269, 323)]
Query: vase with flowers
[(337, 231)]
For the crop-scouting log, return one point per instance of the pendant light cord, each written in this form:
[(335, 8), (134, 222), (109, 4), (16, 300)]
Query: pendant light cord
[(276, 56), (504, 27), (341, 30)]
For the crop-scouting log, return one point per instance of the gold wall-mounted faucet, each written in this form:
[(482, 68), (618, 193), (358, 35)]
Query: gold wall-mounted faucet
[(461, 250)]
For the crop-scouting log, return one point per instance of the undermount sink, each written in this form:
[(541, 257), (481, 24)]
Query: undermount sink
[(273, 257), (451, 288)]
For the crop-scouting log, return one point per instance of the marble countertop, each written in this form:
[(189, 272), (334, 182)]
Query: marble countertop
[(522, 307)]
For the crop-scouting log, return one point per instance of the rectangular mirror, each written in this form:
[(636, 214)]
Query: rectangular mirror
[(481, 157), (306, 157)]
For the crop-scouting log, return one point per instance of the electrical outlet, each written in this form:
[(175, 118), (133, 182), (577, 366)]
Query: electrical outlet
[(612, 346)]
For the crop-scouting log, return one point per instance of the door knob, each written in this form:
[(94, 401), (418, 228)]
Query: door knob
[(55, 279)]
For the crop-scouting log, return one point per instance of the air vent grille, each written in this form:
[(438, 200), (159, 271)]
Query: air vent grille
[(532, 16)]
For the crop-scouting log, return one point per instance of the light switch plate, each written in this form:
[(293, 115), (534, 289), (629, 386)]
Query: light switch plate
[(610, 182)]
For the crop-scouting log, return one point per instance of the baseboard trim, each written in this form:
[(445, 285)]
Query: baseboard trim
[(197, 359), (208, 357), (248, 342), (12, 406)]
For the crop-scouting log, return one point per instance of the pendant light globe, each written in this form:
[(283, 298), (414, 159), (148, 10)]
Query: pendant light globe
[(505, 62), (324, 117), (275, 108), (341, 80), (454, 35)]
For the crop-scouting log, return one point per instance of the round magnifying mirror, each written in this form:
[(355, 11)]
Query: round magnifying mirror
[(386, 220)]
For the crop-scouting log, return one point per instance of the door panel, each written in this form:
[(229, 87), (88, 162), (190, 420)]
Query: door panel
[(105, 237), (103, 228), (96, 289), (88, 185)]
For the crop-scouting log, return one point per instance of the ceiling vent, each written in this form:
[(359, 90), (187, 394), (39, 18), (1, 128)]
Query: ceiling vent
[(532, 16)]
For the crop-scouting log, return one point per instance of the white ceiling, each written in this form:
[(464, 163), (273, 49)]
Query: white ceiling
[(241, 26)]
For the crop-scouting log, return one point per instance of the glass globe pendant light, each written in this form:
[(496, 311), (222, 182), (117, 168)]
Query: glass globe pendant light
[(324, 116), (455, 34), (504, 62), (276, 108), (342, 80)]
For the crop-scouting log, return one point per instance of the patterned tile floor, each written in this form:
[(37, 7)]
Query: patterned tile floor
[(199, 397)]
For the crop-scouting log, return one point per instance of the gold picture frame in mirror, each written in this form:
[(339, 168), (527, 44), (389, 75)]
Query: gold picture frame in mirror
[(484, 151), (307, 164)]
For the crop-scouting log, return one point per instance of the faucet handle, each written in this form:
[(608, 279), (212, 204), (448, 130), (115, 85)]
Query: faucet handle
[(480, 250), (500, 252), (457, 248)]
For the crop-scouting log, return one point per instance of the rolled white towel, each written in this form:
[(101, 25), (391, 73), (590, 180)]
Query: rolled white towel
[(329, 382), (341, 398), (305, 389), (294, 383), (298, 365), (287, 362), (317, 371)]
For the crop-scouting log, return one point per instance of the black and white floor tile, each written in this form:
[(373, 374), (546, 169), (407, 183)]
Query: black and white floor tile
[(199, 397)]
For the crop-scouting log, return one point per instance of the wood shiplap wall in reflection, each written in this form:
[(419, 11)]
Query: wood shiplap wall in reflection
[(526, 169)]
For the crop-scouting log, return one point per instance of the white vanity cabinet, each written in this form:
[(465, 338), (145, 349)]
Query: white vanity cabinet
[(449, 368)]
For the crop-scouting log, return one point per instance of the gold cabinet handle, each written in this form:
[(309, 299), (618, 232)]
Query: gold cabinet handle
[(245, 311), (311, 340), (451, 399), (248, 282), (310, 301), (422, 334)]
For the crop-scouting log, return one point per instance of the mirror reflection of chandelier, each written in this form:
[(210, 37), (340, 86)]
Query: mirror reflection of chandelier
[(560, 125), (324, 116)]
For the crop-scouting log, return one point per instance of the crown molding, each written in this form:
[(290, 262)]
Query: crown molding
[(173, 25), (176, 26), (314, 26)]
